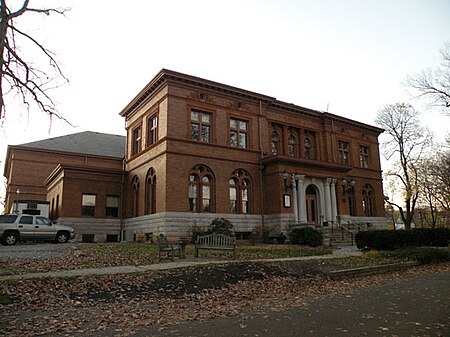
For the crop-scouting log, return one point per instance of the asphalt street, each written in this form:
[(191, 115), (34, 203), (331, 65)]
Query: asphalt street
[(413, 306)]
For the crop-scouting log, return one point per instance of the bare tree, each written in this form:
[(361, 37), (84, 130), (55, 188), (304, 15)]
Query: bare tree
[(434, 84), (407, 142), (429, 187), (440, 172), (22, 77)]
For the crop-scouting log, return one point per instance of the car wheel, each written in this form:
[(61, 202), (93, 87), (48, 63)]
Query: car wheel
[(10, 238), (62, 237)]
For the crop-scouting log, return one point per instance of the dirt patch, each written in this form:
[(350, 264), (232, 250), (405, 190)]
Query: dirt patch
[(176, 283)]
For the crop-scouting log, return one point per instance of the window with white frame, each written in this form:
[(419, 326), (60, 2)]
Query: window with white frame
[(88, 204)]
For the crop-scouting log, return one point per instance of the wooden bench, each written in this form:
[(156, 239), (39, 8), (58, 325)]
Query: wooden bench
[(215, 242), (167, 248)]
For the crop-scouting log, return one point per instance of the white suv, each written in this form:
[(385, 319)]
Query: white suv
[(21, 227)]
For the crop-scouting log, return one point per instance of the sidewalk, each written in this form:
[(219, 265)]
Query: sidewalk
[(339, 253)]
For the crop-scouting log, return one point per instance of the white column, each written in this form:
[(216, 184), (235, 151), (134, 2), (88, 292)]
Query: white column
[(327, 200), (294, 198), (301, 200), (333, 199)]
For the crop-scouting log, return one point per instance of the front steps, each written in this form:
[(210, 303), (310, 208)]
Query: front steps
[(338, 237)]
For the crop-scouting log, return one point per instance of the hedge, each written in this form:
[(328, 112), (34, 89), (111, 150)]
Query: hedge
[(306, 236), (424, 255), (394, 239)]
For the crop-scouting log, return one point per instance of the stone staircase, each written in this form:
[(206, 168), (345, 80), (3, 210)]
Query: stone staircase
[(338, 237)]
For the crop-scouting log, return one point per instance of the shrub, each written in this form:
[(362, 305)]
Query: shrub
[(221, 226), (306, 236), (257, 234), (420, 254), (267, 234), (389, 240), (194, 232)]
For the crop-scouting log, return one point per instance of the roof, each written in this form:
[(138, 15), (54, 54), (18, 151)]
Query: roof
[(88, 142)]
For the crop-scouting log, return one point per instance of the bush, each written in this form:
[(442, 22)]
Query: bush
[(420, 254), (221, 226), (194, 232), (306, 236), (389, 239)]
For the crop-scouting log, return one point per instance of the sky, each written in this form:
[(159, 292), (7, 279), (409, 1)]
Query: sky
[(348, 57)]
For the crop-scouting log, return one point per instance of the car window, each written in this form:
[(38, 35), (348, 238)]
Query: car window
[(43, 221), (27, 220), (8, 218)]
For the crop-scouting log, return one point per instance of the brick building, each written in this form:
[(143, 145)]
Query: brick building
[(62, 173), (196, 150)]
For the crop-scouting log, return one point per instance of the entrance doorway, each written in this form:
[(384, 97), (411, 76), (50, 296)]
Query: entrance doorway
[(311, 205)]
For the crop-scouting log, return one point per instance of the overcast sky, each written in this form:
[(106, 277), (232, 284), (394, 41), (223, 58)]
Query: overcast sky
[(348, 56)]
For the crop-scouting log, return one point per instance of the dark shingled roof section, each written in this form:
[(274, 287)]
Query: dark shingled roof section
[(94, 143)]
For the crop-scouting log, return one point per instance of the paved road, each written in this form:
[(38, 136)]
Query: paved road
[(416, 306), (33, 250)]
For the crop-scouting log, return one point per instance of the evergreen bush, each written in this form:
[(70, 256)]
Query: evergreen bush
[(221, 226), (306, 236)]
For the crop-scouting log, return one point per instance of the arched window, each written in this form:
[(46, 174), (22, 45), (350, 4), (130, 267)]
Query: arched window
[(201, 182), (276, 143), (135, 196), (292, 145), (240, 192), (368, 200), (150, 192)]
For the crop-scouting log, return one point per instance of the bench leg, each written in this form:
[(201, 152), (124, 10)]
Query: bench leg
[(196, 252)]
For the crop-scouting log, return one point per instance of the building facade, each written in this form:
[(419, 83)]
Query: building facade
[(62, 177), (196, 150)]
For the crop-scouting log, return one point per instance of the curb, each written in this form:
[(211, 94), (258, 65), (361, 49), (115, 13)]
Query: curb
[(363, 271)]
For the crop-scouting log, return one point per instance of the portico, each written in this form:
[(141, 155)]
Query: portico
[(313, 199)]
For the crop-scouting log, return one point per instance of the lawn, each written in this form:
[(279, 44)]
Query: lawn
[(121, 254), (130, 251)]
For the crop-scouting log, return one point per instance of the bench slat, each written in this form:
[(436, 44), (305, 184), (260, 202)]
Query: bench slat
[(215, 242)]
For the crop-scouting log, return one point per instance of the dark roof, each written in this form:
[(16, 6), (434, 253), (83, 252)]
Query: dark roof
[(88, 142)]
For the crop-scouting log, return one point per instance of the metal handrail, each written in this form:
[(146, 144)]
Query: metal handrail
[(343, 228)]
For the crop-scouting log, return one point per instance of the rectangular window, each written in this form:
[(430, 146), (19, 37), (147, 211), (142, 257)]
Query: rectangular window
[(364, 156), (238, 133), (112, 207), (343, 153), (201, 126), (88, 205), (137, 135), (152, 126)]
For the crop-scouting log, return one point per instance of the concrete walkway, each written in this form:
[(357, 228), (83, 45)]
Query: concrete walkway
[(339, 253)]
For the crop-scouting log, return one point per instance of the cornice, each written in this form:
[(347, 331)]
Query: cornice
[(166, 76), (281, 159)]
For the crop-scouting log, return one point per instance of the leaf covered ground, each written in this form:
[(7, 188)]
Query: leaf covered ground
[(121, 254), (119, 305)]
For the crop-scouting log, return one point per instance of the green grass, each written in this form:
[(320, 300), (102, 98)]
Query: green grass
[(132, 250), (6, 299), (125, 249)]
